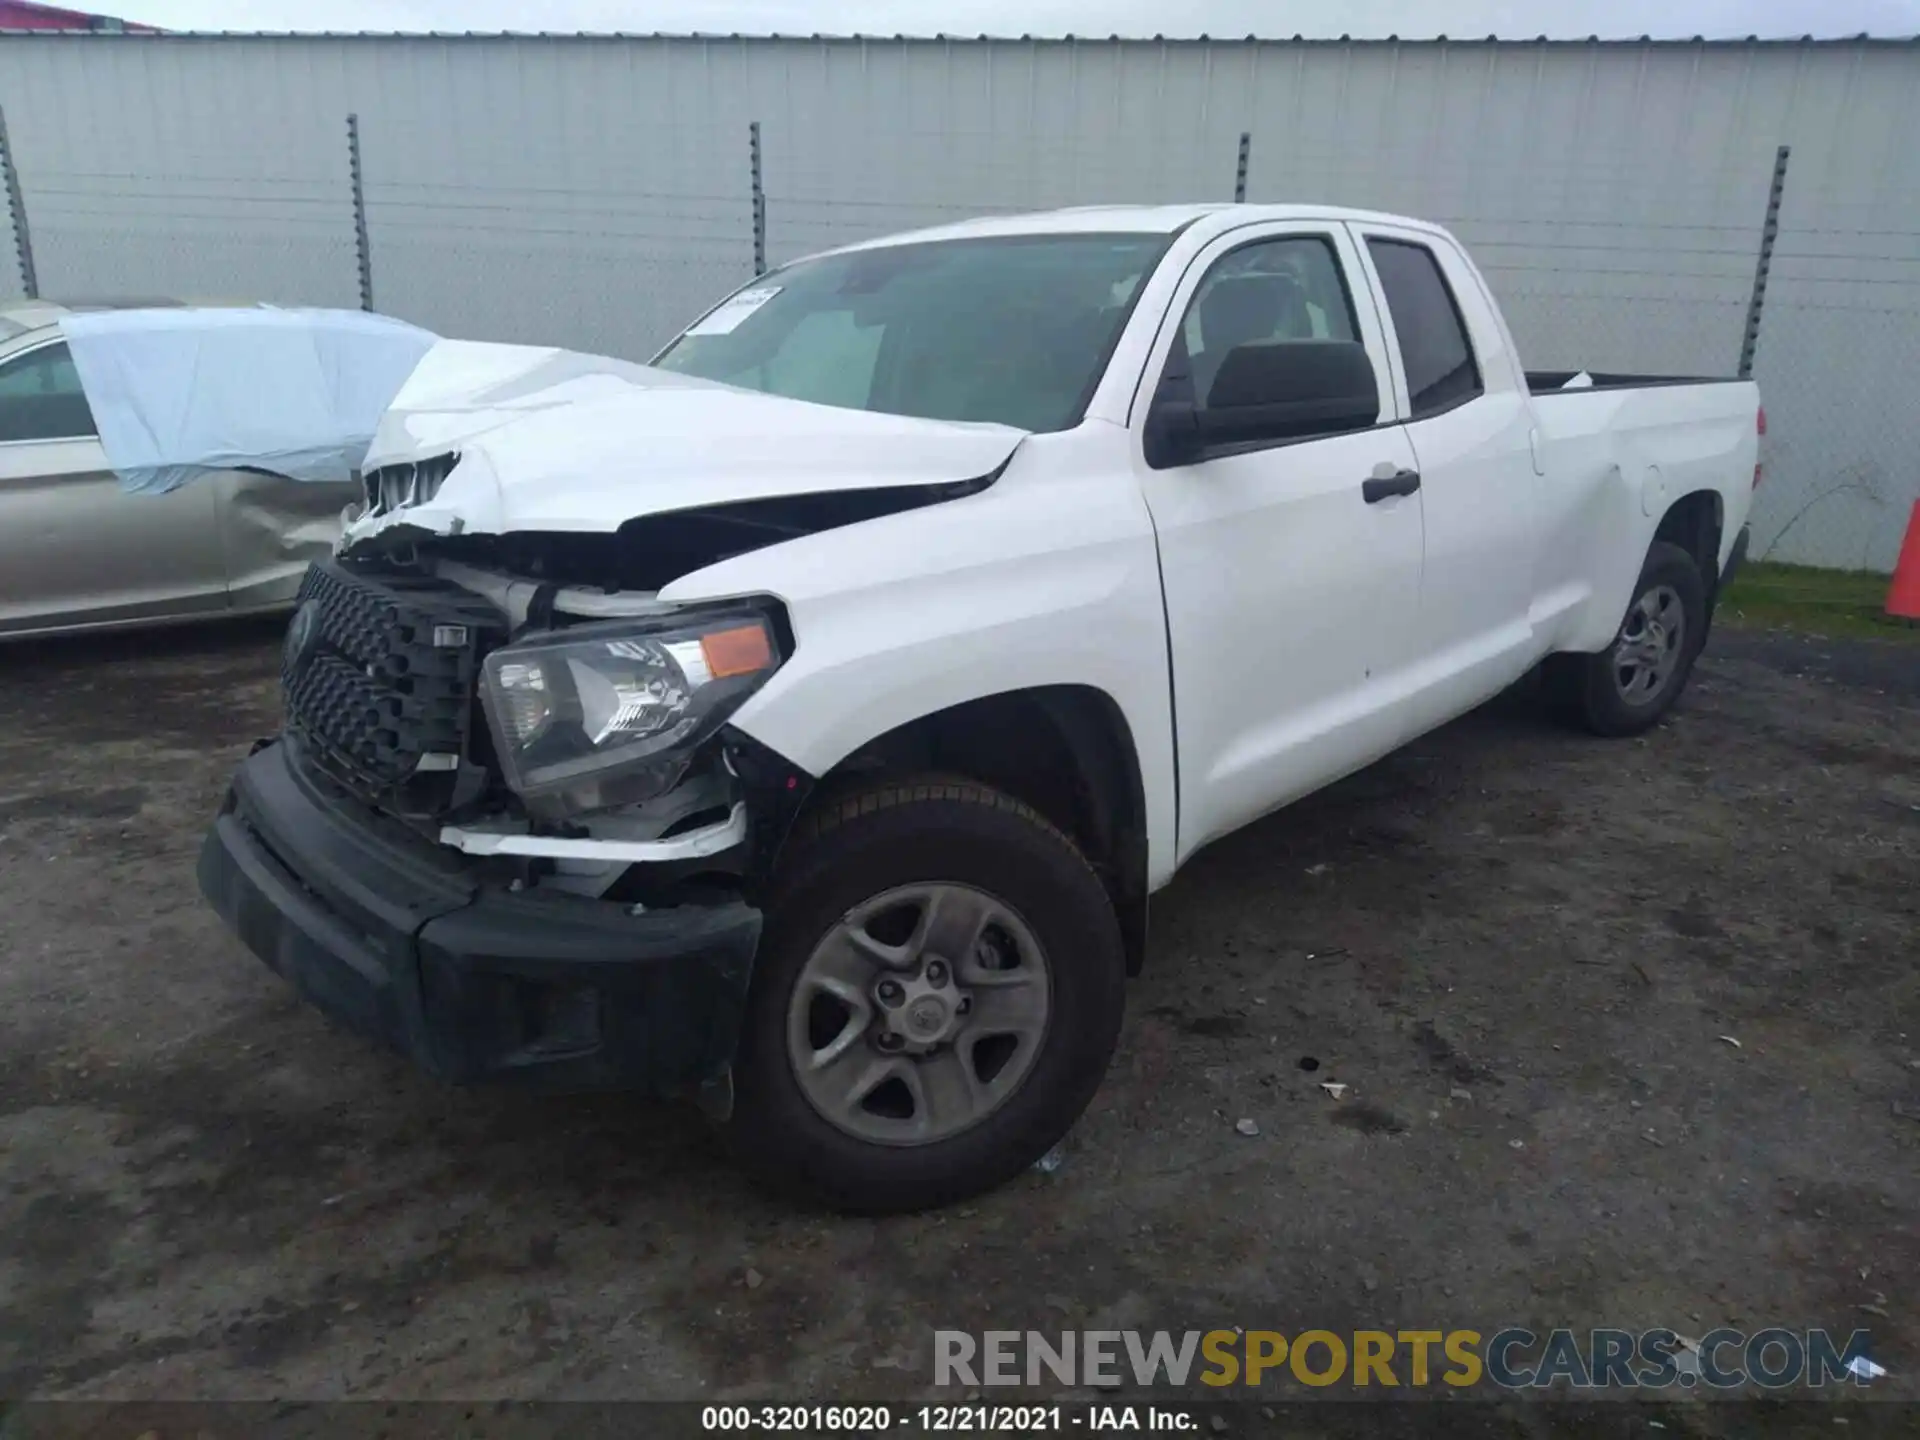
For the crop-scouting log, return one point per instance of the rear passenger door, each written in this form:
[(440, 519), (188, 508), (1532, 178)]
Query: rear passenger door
[(1469, 420), (74, 548)]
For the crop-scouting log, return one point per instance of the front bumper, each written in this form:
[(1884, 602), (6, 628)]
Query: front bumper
[(418, 947)]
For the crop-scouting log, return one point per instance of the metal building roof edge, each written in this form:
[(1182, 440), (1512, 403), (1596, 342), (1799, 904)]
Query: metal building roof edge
[(947, 38)]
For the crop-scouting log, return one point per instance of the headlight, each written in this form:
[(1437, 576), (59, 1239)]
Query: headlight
[(605, 715)]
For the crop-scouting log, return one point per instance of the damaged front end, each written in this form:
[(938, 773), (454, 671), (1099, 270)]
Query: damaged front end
[(509, 828), (529, 695), (508, 838)]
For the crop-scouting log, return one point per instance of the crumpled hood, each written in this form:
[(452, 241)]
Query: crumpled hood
[(553, 440)]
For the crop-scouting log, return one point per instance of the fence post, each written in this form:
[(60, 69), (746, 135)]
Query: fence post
[(1769, 232), (1240, 174), (362, 252), (17, 212), (759, 202)]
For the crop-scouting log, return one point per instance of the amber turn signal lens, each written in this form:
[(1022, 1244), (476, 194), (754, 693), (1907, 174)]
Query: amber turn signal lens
[(739, 651)]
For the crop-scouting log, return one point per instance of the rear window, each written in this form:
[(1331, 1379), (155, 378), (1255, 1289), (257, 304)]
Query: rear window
[(1434, 350), (41, 397)]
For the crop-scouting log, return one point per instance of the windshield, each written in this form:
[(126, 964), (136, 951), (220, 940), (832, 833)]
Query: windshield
[(1012, 330)]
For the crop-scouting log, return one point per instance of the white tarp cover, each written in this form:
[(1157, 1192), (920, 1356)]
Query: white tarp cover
[(181, 393)]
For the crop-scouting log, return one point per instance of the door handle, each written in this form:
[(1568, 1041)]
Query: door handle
[(1401, 482)]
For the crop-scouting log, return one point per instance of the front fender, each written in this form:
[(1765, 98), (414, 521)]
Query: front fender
[(1017, 587)]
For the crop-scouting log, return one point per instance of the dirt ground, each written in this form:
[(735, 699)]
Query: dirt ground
[(1521, 949)]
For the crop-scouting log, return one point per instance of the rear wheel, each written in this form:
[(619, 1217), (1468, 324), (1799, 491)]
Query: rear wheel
[(938, 993), (1628, 686)]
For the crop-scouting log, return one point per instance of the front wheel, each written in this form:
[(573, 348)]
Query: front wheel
[(938, 993), (1628, 686)]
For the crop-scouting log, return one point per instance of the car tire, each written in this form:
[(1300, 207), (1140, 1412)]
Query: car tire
[(1630, 685), (1045, 935)]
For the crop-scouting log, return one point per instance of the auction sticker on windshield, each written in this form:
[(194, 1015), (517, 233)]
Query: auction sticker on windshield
[(725, 317)]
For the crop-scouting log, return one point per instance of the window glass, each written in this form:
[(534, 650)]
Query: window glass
[(1014, 330), (825, 358), (1433, 338), (1275, 290), (41, 398)]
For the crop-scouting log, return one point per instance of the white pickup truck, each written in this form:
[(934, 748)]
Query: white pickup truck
[(802, 721)]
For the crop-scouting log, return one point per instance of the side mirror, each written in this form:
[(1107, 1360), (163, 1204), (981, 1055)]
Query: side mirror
[(1283, 389), (1273, 390), (1173, 425)]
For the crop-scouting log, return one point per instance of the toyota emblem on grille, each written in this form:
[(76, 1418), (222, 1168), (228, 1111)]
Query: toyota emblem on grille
[(303, 636)]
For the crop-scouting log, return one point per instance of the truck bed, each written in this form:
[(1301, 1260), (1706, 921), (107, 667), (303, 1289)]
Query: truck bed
[(1617, 456), (1547, 382)]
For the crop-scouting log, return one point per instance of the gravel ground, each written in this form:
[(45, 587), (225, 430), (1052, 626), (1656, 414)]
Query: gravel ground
[(1521, 949)]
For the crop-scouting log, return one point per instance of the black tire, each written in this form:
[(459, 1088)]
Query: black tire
[(1587, 690), (900, 834)]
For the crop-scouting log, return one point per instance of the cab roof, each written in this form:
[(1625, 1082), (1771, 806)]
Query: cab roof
[(1126, 219)]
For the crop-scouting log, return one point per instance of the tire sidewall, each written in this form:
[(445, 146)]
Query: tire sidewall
[(999, 848), (1673, 567)]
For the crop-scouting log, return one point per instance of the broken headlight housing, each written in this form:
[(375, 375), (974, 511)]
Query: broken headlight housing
[(604, 715)]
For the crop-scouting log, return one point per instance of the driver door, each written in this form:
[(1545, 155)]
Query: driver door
[(1286, 576)]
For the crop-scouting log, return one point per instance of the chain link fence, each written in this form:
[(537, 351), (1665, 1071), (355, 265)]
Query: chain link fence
[(600, 194)]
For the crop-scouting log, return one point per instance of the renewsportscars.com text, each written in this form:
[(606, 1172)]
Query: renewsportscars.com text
[(1513, 1358)]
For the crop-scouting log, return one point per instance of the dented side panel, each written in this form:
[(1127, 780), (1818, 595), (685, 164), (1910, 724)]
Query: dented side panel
[(270, 531)]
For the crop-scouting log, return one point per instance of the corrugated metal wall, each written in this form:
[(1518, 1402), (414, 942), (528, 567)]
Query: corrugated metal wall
[(594, 192)]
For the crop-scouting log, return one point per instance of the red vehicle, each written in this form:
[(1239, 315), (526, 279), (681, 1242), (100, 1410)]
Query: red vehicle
[(24, 15)]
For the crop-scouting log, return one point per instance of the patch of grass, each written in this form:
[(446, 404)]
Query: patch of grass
[(1819, 602)]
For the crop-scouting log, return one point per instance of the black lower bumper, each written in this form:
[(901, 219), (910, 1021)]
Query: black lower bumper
[(1736, 557), (413, 945)]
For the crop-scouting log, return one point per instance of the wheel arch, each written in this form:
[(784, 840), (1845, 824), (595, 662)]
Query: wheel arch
[(1066, 750), (1695, 523)]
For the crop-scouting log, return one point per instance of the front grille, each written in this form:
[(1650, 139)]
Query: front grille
[(380, 674), (411, 482)]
